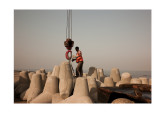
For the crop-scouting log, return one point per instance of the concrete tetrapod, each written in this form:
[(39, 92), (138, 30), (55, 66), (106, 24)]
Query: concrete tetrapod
[(85, 74), (135, 81), (93, 72), (115, 74), (92, 88), (125, 79), (99, 83), (144, 80), (30, 74), (23, 83), (16, 83), (102, 79), (16, 79), (34, 89), (108, 82), (66, 80), (122, 101), (150, 81), (38, 72), (42, 70), (49, 74), (44, 77), (126, 76), (51, 87), (100, 74), (56, 98), (55, 71), (81, 92)]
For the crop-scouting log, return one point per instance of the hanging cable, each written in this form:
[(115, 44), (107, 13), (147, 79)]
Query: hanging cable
[(69, 43), (69, 24), (66, 27)]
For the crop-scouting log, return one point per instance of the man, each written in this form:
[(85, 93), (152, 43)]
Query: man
[(79, 60)]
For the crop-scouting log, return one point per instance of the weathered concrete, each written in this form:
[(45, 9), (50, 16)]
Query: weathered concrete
[(108, 82), (23, 83), (74, 99), (102, 79), (144, 80), (81, 87), (93, 72), (100, 73), (55, 71), (66, 80), (81, 92), (124, 81), (44, 77), (122, 101), (126, 76), (30, 74), (38, 72), (56, 98), (24, 94), (115, 74), (74, 82), (42, 70), (34, 89), (150, 81), (16, 81), (92, 88), (85, 74), (135, 81), (100, 84), (49, 74), (51, 87)]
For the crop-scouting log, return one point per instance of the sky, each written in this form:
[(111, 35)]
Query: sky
[(107, 38)]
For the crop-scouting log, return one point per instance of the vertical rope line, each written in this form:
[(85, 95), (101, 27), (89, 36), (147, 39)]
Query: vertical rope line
[(71, 24), (66, 25)]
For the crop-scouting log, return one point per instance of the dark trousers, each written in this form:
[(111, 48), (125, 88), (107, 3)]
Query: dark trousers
[(79, 70)]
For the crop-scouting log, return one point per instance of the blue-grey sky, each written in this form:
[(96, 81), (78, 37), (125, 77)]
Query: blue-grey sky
[(107, 38)]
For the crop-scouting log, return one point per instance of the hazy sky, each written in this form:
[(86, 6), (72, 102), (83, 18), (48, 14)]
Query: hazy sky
[(107, 38)]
